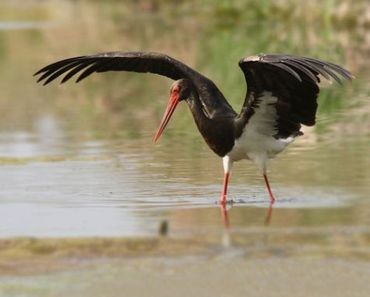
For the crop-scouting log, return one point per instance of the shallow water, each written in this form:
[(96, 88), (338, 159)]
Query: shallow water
[(53, 187)]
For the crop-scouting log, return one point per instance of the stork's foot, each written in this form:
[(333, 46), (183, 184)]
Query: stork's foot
[(224, 201)]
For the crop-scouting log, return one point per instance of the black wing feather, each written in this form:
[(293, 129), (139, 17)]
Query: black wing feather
[(293, 81), (74, 69), (48, 76), (307, 70), (118, 61), (143, 62)]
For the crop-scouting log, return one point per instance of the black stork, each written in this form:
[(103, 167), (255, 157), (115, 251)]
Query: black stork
[(281, 96)]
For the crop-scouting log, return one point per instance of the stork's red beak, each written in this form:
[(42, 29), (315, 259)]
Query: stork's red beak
[(171, 106)]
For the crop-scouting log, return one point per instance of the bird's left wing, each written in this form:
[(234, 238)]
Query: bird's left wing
[(282, 92), (143, 62)]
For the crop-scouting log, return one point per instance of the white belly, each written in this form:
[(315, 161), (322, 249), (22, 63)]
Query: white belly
[(257, 142), (257, 147)]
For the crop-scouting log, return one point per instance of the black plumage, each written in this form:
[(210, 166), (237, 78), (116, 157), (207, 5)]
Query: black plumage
[(143, 62), (294, 81)]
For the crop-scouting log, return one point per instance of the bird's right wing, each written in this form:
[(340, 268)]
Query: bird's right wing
[(282, 91)]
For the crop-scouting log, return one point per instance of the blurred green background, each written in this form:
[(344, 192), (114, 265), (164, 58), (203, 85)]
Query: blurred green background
[(211, 36)]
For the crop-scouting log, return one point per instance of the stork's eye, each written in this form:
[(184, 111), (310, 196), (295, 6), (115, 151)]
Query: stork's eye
[(175, 89)]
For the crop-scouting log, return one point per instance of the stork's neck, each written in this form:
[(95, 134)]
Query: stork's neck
[(198, 109), (217, 130)]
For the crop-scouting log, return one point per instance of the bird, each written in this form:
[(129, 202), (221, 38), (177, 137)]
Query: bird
[(281, 96)]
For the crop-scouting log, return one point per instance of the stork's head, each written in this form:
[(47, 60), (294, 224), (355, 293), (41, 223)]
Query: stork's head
[(180, 90)]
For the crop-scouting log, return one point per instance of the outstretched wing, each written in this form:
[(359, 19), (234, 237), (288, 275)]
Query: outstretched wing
[(144, 62), (282, 91), (116, 61)]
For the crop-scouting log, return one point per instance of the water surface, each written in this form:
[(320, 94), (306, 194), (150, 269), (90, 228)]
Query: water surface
[(110, 188)]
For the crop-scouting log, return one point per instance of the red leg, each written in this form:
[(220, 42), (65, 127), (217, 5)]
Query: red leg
[(272, 198), (224, 189)]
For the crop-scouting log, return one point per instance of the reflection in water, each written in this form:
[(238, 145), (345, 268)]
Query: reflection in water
[(269, 214), (226, 237), (224, 210), (225, 216)]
